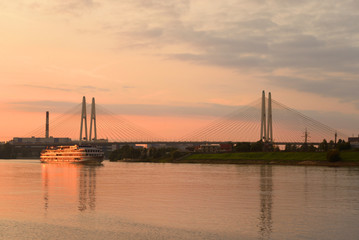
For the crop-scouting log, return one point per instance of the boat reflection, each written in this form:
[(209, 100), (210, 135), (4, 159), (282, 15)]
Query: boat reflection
[(87, 188), (68, 184), (266, 189)]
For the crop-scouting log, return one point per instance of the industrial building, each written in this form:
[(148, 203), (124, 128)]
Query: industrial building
[(35, 140), (354, 142)]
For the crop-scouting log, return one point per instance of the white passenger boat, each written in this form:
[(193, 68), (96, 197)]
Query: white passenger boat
[(72, 154)]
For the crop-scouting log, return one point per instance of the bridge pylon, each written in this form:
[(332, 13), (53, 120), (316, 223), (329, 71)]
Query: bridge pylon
[(93, 122), (266, 119), (263, 119), (269, 121), (83, 120)]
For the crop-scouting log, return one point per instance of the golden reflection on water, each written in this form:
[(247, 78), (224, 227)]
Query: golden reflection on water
[(266, 202), (170, 201), (87, 188), (78, 184), (73, 180)]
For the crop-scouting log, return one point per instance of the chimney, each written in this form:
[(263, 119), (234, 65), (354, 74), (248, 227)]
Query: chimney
[(47, 125)]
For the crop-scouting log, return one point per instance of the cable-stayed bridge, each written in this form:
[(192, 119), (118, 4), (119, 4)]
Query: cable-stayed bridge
[(263, 119)]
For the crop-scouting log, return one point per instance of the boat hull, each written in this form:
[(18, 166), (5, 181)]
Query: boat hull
[(72, 154), (76, 161)]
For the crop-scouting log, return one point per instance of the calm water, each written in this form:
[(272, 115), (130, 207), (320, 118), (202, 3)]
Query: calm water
[(177, 201)]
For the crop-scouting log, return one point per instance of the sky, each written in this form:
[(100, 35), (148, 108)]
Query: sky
[(174, 65)]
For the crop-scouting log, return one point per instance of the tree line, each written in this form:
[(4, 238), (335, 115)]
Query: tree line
[(260, 146), (324, 146), (130, 152), (7, 151)]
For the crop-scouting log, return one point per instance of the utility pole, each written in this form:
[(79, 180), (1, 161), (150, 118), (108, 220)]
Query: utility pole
[(305, 146), (83, 119), (335, 138)]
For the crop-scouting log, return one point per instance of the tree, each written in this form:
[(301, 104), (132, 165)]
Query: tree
[(290, 147), (331, 144), (243, 147), (307, 148), (257, 146), (311, 148), (125, 152), (163, 152), (175, 154), (7, 151), (342, 145), (323, 146), (304, 147)]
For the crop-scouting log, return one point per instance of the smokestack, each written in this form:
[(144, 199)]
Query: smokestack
[(47, 125)]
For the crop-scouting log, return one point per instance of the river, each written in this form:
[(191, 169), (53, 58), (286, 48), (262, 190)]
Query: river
[(177, 201)]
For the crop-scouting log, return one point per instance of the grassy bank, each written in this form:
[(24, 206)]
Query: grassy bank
[(349, 158)]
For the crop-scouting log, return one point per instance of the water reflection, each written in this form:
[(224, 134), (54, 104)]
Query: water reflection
[(266, 188), (45, 182), (87, 190), (77, 183)]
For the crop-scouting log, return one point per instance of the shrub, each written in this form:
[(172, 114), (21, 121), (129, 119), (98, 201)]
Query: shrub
[(333, 155), (175, 154)]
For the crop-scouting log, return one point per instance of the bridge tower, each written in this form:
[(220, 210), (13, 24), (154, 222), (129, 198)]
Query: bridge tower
[(263, 119), (47, 125), (83, 120), (93, 120), (269, 122)]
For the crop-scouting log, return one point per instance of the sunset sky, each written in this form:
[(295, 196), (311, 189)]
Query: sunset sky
[(178, 64)]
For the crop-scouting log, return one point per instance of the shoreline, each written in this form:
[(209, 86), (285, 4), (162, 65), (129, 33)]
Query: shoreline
[(349, 159), (248, 162), (237, 162), (273, 162)]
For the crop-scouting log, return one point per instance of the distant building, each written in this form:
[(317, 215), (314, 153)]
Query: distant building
[(354, 142), (101, 140), (209, 148), (226, 147), (34, 140), (214, 148)]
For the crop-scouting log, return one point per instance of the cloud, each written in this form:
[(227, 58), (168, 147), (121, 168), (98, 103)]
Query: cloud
[(266, 40), (345, 123), (330, 87), (67, 88), (202, 109), (68, 7), (88, 88), (173, 8), (303, 52), (128, 87), (261, 37), (205, 109), (46, 105), (48, 88)]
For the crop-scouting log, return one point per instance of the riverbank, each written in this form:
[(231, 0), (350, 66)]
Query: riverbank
[(348, 158)]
